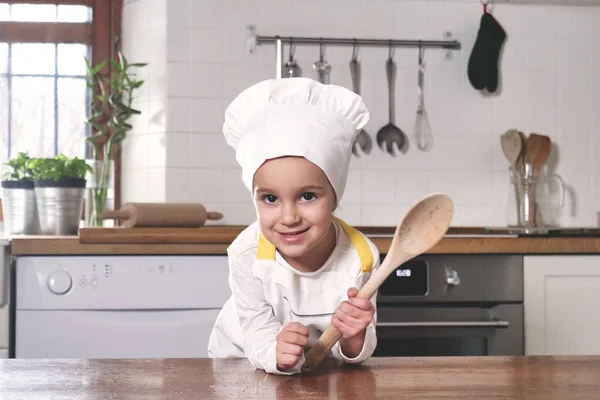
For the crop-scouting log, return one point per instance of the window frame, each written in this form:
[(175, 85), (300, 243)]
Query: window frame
[(102, 34)]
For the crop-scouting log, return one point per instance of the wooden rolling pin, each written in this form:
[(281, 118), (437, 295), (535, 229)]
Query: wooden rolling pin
[(150, 215)]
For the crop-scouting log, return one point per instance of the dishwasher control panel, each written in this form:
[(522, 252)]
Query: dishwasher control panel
[(90, 276), (116, 282)]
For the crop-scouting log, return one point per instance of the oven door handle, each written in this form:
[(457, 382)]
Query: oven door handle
[(445, 324)]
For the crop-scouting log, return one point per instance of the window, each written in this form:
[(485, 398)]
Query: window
[(43, 93)]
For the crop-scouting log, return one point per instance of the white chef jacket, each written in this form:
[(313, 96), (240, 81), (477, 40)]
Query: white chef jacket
[(267, 293)]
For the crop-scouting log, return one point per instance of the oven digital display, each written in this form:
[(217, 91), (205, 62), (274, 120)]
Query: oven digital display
[(409, 279)]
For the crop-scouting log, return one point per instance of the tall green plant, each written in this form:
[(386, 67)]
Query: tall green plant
[(111, 109)]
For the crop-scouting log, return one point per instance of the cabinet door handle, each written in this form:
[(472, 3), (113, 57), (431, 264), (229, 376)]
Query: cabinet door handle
[(445, 324)]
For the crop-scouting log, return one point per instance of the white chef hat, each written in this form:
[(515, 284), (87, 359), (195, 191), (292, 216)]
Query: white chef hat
[(295, 117)]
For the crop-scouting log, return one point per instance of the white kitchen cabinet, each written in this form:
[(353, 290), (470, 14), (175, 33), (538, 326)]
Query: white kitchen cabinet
[(562, 304)]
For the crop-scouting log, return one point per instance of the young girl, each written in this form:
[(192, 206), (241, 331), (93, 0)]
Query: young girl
[(296, 269)]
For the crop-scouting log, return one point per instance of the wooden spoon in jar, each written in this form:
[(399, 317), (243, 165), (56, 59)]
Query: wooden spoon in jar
[(521, 159), (511, 146), (421, 228), (538, 150)]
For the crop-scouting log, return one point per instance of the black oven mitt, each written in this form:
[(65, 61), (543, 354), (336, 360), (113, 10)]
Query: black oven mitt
[(483, 62)]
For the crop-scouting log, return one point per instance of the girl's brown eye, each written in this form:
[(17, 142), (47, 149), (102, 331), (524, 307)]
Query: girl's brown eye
[(308, 196), (269, 198)]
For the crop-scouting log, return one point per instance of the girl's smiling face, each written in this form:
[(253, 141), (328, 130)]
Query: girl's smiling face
[(294, 204)]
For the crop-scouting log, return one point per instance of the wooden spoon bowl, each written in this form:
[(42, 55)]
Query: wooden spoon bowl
[(421, 228), (538, 150), (511, 146)]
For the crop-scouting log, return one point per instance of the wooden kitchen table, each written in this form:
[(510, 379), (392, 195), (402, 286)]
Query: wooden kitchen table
[(529, 377)]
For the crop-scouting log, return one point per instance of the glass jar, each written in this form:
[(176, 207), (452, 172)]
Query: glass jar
[(535, 199), (99, 192)]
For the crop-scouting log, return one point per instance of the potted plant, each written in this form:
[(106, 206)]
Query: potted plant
[(18, 204), (59, 185), (111, 109)]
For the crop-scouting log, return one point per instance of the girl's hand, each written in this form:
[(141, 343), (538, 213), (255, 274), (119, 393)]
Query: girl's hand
[(290, 345), (353, 316)]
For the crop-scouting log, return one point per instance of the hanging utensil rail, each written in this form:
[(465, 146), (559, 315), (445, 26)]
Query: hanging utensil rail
[(448, 44), (253, 39)]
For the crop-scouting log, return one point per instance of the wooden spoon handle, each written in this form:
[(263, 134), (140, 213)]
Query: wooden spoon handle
[(318, 352), (379, 276)]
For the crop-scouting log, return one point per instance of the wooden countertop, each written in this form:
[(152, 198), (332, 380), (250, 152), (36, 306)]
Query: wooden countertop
[(466, 378), (54, 245)]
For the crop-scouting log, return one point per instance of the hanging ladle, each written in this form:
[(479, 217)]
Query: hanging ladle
[(390, 134), (363, 140), (291, 67), (321, 66)]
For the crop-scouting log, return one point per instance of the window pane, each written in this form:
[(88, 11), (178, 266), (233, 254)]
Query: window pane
[(33, 58), (3, 58), (33, 12), (71, 116), (4, 12), (3, 121), (70, 59), (32, 123), (73, 14)]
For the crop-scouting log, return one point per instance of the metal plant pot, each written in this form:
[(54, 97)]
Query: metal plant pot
[(59, 205), (19, 208)]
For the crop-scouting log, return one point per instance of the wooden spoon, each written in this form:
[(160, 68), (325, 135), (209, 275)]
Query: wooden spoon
[(511, 146), (521, 159), (538, 150), (421, 228)]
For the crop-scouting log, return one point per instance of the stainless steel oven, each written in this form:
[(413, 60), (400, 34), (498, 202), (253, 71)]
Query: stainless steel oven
[(452, 305)]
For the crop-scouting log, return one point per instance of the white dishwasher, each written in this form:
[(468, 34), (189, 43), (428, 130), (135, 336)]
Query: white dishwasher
[(117, 306)]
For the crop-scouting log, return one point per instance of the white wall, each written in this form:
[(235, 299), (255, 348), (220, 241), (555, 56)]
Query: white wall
[(199, 63)]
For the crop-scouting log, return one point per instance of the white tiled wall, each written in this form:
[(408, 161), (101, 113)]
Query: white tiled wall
[(198, 63)]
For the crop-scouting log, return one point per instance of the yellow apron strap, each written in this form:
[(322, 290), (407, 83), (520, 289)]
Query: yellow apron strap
[(265, 250), (360, 244)]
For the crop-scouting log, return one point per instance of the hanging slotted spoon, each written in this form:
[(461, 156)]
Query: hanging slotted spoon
[(390, 134), (363, 140)]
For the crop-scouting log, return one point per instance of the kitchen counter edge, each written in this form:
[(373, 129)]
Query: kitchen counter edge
[(70, 245)]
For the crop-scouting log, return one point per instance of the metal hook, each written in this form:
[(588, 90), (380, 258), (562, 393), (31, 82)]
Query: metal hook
[(391, 50), (321, 50), (355, 51), (421, 54), (292, 49), (484, 3)]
